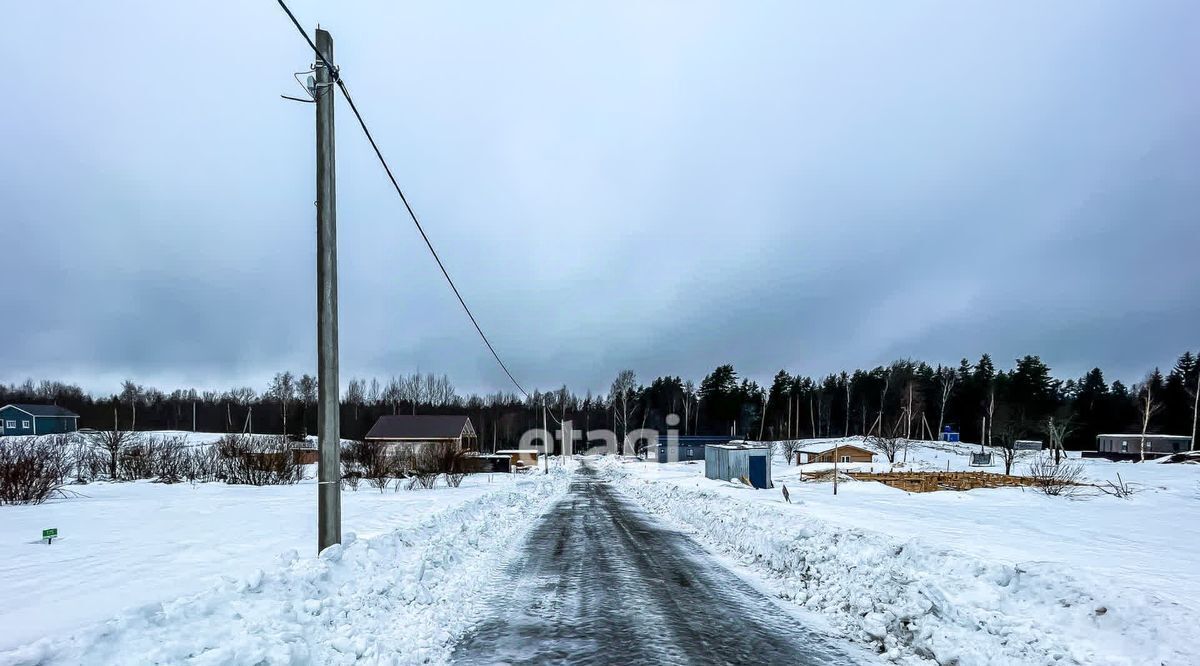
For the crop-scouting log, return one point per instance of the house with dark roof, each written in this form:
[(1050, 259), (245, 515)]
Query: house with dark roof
[(411, 433), (19, 419)]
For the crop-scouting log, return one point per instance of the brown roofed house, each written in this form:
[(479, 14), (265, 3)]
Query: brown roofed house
[(411, 433)]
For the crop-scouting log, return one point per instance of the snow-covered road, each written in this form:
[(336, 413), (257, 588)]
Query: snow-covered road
[(599, 581)]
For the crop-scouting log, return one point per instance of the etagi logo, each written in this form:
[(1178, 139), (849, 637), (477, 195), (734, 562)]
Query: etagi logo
[(604, 441)]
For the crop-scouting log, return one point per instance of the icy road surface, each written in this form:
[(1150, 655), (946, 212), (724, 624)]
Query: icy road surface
[(598, 582)]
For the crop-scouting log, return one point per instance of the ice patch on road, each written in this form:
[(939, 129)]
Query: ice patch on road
[(397, 598), (916, 603)]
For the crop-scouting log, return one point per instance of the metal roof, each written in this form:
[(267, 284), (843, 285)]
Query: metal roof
[(44, 410), (421, 427), (1148, 435)]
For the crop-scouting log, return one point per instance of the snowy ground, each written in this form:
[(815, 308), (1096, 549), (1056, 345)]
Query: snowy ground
[(992, 576), (152, 573), (126, 548)]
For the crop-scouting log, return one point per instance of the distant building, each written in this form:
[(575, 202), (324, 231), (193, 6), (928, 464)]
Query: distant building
[(37, 420), (827, 452), (520, 458), (1156, 445), (687, 447), (23, 419), (412, 433)]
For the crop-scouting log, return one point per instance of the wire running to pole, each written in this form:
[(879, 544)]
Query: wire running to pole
[(334, 74)]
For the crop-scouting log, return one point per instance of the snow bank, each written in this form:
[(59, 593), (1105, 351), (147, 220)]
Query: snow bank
[(401, 597), (915, 602)]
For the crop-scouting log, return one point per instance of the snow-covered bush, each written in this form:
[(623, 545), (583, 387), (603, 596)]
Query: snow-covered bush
[(32, 470), (113, 443), (258, 461), (88, 462), (1064, 478)]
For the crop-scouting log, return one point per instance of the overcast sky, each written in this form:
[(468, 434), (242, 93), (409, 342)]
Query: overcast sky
[(664, 186)]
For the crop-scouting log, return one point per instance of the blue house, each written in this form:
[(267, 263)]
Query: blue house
[(37, 420), (689, 447)]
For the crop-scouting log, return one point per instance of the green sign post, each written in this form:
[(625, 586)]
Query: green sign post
[(49, 534)]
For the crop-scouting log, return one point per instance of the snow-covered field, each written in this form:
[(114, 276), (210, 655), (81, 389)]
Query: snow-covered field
[(989, 576), (230, 571), (212, 573)]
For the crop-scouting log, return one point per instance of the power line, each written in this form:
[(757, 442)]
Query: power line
[(334, 74)]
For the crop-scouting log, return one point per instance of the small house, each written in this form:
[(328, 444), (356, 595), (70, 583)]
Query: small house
[(1131, 445), (686, 447), (828, 452), (20, 419), (738, 460), (489, 463), (404, 433), (519, 458)]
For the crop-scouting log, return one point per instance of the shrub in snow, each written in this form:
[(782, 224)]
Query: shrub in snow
[(888, 446), (258, 461), (87, 462), (113, 443), (32, 470), (1117, 489), (1063, 478), (164, 459)]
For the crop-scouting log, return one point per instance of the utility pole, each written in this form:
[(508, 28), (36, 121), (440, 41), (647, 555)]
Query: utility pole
[(546, 433), (329, 465)]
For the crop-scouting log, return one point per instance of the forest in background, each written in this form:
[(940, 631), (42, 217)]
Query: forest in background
[(906, 398)]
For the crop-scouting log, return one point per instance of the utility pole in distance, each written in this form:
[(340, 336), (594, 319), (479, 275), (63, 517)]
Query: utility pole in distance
[(329, 465)]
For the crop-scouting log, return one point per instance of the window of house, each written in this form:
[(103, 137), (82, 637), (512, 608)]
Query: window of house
[(10, 424), (1124, 446), (845, 459), (24, 424)]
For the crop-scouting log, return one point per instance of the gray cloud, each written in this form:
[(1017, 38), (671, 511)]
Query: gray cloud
[(666, 188)]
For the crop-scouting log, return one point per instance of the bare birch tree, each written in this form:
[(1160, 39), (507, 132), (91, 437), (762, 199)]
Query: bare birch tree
[(1147, 406), (689, 392), (132, 394), (621, 394), (283, 389), (1195, 391)]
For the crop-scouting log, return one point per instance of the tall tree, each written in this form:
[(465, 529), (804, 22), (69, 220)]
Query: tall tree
[(621, 393), (720, 397), (131, 394), (283, 390)]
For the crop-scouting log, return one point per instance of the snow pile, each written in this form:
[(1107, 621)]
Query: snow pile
[(915, 602), (401, 597)]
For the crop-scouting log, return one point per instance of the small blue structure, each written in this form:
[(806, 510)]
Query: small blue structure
[(948, 434), (729, 462), (37, 420), (687, 447)]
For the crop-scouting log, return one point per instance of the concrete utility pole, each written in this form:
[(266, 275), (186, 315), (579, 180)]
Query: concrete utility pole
[(329, 465)]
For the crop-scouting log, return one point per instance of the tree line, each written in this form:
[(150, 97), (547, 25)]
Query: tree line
[(906, 398)]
